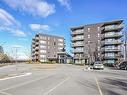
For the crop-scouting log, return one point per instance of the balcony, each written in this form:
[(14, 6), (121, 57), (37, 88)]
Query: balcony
[(107, 43), (108, 50), (77, 45), (109, 57), (116, 35), (76, 57), (36, 53), (81, 32), (78, 51), (36, 38), (113, 27), (36, 48), (77, 38), (33, 46)]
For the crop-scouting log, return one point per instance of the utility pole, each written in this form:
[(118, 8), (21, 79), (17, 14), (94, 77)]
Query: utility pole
[(15, 55)]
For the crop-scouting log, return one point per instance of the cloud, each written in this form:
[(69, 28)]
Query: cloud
[(34, 7), (37, 27), (65, 3), (10, 24), (18, 33), (15, 32), (6, 19)]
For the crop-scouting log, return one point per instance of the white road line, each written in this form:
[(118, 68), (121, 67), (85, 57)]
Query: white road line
[(26, 74), (98, 86), (55, 86), (5, 93), (22, 84)]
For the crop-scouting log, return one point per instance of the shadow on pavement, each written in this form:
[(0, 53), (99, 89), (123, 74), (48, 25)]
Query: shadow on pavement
[(115, 86)]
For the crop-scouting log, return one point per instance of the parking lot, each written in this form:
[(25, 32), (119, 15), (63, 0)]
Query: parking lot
[(60, 79)]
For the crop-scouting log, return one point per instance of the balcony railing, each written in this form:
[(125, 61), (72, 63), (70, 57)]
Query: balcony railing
[(36, 48), (104, 43), (78, 57), (36, 53), (77, 32), (36, 38), (78, 45), (109, 57), (113, 27), (110, 50), (78, 51), (116, 35), (77, 39)]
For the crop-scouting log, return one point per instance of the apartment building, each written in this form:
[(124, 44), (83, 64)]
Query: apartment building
[(46, 47), (100, 41), (1, 49)]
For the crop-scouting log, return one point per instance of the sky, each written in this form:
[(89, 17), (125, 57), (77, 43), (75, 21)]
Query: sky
[(20, 20)]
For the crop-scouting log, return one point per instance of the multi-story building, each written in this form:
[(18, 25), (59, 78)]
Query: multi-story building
[(46, 47), (1, 49), (100, 41)]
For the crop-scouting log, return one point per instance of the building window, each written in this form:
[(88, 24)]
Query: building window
[(42, 56), (88, 42), (88, 29), (98, 48), (43, 42), (60, 48), (60, 44), (43, 51), (42, 46), (88, 36), (61, 40), (98, 41), (98, 35), (48, 38), (98, 28)]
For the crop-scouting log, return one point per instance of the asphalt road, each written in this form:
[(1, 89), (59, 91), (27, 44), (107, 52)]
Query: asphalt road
[(63, 80)]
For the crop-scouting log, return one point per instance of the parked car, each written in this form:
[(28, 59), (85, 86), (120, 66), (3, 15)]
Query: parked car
[(123, 65), (98, 65)]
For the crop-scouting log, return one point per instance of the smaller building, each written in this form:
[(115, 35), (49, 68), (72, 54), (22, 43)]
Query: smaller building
[(1, 49), (64, 58), (49, 48)]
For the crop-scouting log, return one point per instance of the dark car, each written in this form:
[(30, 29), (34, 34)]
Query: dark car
[(123, 65)]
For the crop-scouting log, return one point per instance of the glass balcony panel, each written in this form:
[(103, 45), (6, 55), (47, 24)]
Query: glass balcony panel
[(77, 32), (113, 27)]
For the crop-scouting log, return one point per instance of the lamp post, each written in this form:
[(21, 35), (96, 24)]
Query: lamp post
[(15, 55), (125, 43)]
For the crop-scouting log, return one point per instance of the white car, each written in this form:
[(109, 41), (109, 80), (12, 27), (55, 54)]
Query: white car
[(98, 65)]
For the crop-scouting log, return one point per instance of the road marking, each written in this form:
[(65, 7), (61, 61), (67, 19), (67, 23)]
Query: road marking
[(5, 93), (55, 86), (26, 74), (21, 84), (98, 86)]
